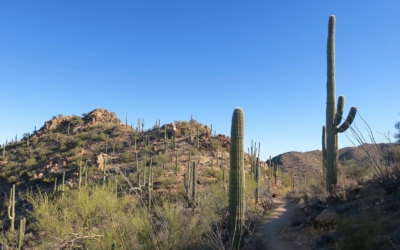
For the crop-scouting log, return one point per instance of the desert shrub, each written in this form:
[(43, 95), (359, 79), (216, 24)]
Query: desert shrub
[(98, 137), (126, 157), (12, 179), (31, 162), (193, 151), (158, 172), (182, 228), (82, 135), (115, 218), (72, 152), (76, 120), (215, 143), (359, 232), (211, 172), (285, 179), (355, 171), (161, 158)]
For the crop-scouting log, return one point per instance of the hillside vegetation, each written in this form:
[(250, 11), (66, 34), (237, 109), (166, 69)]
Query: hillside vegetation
[(94, 182)]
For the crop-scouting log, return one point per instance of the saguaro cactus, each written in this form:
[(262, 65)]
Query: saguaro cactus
[(194, 202), (21, 237), (333, 116), (257, 179), (11, 208), (150, 183), (236, 179)]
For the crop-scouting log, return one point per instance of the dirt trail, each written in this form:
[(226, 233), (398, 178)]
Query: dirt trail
[(267, 235)]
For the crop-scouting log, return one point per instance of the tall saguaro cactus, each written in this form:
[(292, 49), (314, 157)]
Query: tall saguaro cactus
[(11, 208), (236, 179), (333, 116)]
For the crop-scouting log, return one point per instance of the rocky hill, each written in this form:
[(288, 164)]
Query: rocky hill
[(98, 146)]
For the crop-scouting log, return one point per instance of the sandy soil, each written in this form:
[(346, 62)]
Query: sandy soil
[(267, 235)]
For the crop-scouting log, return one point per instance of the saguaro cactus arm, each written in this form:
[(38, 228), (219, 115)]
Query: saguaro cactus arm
[(349, 120), (339, 111)]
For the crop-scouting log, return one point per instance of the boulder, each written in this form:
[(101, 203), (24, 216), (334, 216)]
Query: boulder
[(326, 217), (100, 161)]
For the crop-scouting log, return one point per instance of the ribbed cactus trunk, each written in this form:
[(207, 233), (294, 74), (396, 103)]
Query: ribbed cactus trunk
[(333, 115), (150, 183), (257, 179), (237, 179), (194, 201), (323, 152)]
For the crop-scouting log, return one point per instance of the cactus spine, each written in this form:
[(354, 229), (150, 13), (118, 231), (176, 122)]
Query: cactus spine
[(11, 208), (333, 116), (236, 179)]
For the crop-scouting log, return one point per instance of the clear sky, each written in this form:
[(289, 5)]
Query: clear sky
[(170, 59)]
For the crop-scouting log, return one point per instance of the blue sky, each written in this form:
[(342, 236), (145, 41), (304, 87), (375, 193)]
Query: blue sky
[(170, 59)]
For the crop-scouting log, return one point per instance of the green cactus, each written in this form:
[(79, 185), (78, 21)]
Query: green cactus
[(104, 171), (22, 224), (197, 138), (237, 180), (333, 116), (187, 182), (144, 169), (218, 156), (11, 208), (257, 179), (4, 151), (86, 175), (223, 176), (323, 152), (63, 186), (55, 185), (135, 142), (176, 164), (46, 198), (276, 173), (150, 182), (194, 202), (80, 175), (137, 163)]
